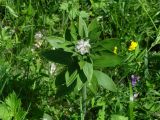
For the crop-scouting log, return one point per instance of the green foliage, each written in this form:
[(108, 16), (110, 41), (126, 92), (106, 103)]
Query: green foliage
[(46, 116), (33, 32), (105, 81), (106, 60), (11, 108), (88, 70), (118, 117)]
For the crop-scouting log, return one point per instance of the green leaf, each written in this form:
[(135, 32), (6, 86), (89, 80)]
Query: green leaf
[(56, 42), (79, 83), (105, 81), (67, 35), (11, 107), (106, 60), (82, 76), (60, 79), (82, 28), (63, 90), (84, 14), (81, 64), (64, 6), (73, 13), (93, 84), (73, 31), (13, 103), (59, 42), (11, 11), (118, 117), (70, 78), (109, 44), (88, 70), (94, 35), (47, 117), (94, 30), (94, 25), (58, 56), (4, 112)]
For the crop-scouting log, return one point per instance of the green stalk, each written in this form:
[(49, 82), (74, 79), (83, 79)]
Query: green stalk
[(131, 104), (146, 72), (83, 102), (148, 14)]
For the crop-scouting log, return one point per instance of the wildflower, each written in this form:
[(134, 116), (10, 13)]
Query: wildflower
[(52, 68), (115, 50), (134, 79), (133, 46), (38, 39), (38, 36), (135, 95), (83, 47)]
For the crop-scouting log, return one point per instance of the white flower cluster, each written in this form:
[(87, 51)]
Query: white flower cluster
[(38, 39), (83, 47), (38, 36), (53, 68)]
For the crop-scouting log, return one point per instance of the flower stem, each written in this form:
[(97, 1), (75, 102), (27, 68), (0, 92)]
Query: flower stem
[(83, 102), (146, 72), (131, 104)]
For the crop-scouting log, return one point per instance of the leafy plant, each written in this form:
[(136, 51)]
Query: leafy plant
[(11, 108), (81, 59)]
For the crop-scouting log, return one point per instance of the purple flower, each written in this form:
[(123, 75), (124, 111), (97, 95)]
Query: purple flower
[(134, 79)]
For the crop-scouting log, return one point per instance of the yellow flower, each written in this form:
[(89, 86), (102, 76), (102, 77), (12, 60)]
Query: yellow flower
[(133, 46), (115, 50)]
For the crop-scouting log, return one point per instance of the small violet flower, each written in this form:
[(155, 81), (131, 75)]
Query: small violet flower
[(134, 79), (82, 46)]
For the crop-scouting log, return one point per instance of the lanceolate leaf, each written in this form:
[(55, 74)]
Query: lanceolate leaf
[(79, 83), (93, 84), (58, 56), (109, 44), (73, 31), (94, 30), (88, 70), (105, 81), (106, 60), (12, 12), (70, 78), (93, 25), (56, 42), (82, 28)]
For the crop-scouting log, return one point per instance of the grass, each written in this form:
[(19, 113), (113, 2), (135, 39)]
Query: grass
[(24, 71)]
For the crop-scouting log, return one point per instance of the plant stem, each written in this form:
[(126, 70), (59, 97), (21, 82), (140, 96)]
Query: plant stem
[(131, 104), (146, 72), (83, 102)]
